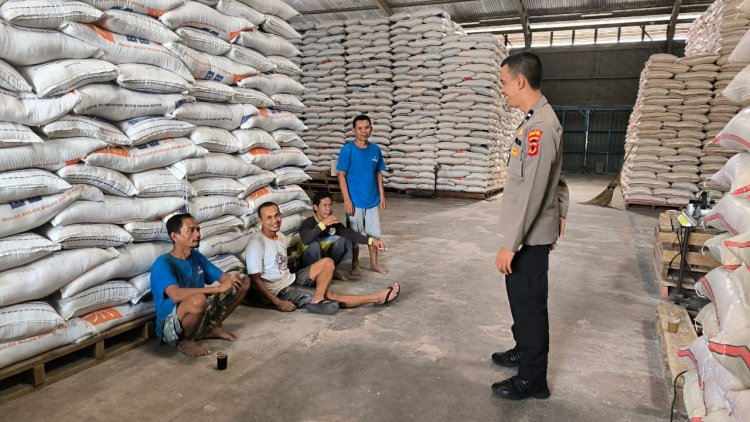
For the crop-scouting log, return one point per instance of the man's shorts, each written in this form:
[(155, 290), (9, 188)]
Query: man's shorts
[(365, 220), (216, 308), (301, 291)]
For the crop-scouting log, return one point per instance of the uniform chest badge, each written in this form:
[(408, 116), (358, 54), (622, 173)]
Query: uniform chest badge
[(514, 152), (332, 231), (533, 141)]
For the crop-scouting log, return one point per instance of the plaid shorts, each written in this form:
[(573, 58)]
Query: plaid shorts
[(216, 308)]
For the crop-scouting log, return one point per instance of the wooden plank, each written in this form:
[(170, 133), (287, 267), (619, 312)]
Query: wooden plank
[(38, 375), (671, 343), (696, 261), (669, 239), (665, 222)]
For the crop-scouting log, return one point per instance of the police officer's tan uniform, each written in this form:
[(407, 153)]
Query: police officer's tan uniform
[(535, 198)]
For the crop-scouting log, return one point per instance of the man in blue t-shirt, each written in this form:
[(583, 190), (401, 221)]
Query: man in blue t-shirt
[(360, 168), (186, 309)]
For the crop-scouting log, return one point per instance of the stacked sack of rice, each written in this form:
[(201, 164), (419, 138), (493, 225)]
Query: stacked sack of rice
[(476, 126), (324, 74), (719, 28), (132, 137), (416, 42), (369, 85)]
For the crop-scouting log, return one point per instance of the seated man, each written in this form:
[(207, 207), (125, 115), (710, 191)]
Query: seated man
[(323, 236), (186, 309), (267, 265)]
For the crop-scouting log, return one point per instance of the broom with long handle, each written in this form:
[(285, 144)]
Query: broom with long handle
[(604, 199)]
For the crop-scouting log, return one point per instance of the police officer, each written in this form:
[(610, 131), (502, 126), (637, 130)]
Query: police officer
[(532, 216)]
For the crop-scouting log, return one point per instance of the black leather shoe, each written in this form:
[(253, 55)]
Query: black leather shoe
[(508, 359), (515, 388)]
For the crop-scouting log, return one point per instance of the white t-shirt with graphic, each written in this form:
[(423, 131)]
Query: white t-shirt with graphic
[(269, 259)]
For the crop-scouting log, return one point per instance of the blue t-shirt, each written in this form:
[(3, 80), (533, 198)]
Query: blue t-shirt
[(361, 166), (194, 272)]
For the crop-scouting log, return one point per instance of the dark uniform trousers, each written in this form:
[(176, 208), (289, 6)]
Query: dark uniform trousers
[(527, 294)]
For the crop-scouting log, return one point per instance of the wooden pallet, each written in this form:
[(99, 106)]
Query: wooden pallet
[(34, 373), (425, 193), (638, 204), (323, 182), (671, 343), (667, 247)]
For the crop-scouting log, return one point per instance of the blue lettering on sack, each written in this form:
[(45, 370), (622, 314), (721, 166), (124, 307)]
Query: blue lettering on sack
[(245, 118), (178, 103), (17, 204), (148, 145), (144, 41), (218, 77), (209, 75), (212, 32), (131, 38), (34, 199)]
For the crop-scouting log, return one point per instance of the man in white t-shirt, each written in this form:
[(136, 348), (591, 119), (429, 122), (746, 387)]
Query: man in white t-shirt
[(267, 265)]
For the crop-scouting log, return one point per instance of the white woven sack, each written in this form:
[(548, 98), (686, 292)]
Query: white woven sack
[(287, 102), (52, 154), (213, 165), (735, 174), (225, 116), (160, 183), (215, 139), (233, 242), (61, 76), (285, 66), (205, 208), (109, 294), (206, 18), (268, 44), (120, 49), (22, 184), (272, 7), (251, 96), (149, 78), (72, 126), (228, 263), (150, 128), (125, 22), (217, 186), (43, 277), (727, 347), (212, 68), (715, 379), (271, 119), (142, 284), (273, 159), (26, 46), (20, 249), (290, 176), (277, 195), (110, 181), (220, 225), (272, 84), (254, 182), (148, 231), (203, 41), (274, 25), (288, 138), (76, 236), (11, 80), (14, 135), (736, 133), (27, 319), (131, 261), (149, 7), (115, 103), (29, 109), (104, 319), (254, 138), (17, 350), (251, 58), (731, 213), (117, 210), (47, 14), (211, 91), (738, 90), (739, 402), (235, 8), (154, 154)]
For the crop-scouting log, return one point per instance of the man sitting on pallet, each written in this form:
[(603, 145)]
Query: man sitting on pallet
[(186, 309), (267, 264), (323, 236)]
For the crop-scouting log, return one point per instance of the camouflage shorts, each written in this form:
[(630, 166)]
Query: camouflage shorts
[(216, 308)]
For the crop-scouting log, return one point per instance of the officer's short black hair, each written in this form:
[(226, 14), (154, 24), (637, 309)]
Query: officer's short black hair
[(320, 196), (174, 224), (526, 64), (362, 117), (266, 205)]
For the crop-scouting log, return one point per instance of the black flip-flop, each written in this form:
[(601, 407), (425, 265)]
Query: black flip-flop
[(388, 298), (324, 307)]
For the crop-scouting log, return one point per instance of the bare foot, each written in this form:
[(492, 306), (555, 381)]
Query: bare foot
[(388, 295), (356, 270), (192, 349), (379, 268), (338, 276), (220, 333)]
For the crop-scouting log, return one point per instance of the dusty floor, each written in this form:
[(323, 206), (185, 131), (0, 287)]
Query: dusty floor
[(426, 357)]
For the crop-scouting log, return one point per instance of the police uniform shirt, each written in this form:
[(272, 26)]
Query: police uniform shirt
[(535, 195)]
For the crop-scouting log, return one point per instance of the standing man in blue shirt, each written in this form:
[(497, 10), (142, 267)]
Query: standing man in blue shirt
[(186, 309), (360, 168)]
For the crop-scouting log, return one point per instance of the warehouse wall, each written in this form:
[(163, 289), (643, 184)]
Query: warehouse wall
[(596, 75)]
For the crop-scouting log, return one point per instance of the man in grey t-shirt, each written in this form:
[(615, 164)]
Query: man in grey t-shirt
[(267, 265)]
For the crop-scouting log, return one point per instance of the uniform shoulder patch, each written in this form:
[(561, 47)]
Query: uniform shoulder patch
[(533, 138)]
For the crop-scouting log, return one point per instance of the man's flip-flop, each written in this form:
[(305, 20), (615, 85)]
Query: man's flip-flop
[(324, 307), (388, 298)]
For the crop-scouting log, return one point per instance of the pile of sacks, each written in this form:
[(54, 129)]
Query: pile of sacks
[(369, 84), (416, 42), (324, 77), (476, 127), (134, 118), (719, 28)]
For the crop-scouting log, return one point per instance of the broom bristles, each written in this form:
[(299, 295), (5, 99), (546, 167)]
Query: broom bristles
[(603, 199)]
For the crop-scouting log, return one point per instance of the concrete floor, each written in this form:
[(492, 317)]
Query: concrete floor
[(426, 357)]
